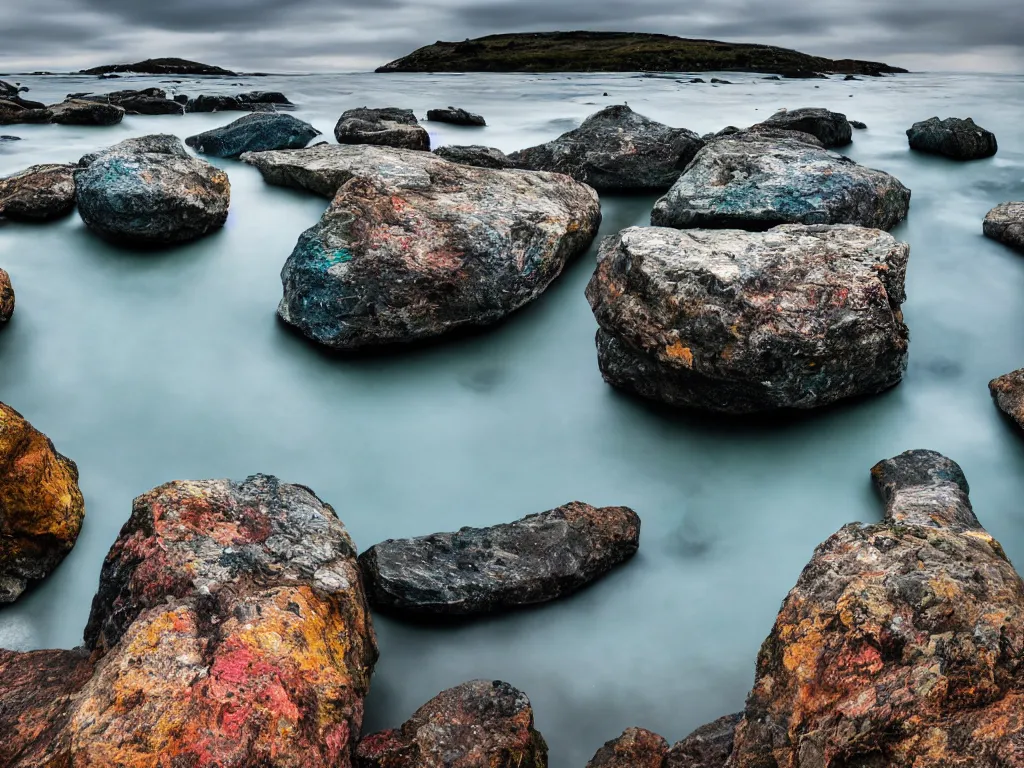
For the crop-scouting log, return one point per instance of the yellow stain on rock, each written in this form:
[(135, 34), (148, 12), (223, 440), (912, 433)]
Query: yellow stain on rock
[(678, 352)]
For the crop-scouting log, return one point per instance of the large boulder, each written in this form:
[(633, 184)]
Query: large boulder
[(413, 246), (258, 132), (954, 138), (150, 198), (148, 101), (479, 724), (475, 155), (735, 321), (1008, 392), (41, 506), (15, 113), (831, 128), (77, 112), (479, 570), (616, 150), (635, 748), (455, 116), (386, 127), (39, 193), (254, 101), (155, 143), (1005, 223), (754, 181), (6, 297)]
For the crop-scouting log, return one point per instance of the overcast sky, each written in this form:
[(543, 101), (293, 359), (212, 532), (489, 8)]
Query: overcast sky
[(345, 35)]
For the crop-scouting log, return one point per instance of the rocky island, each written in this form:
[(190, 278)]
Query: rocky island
[(169, 66)]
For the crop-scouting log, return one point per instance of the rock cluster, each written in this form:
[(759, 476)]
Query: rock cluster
[(386, 127), (258, 132), (476, 155), (455, 116), (148, 101), (953, 138), (1005, 223), (832, 129), (71, 112), (39, 193), (254, 101)]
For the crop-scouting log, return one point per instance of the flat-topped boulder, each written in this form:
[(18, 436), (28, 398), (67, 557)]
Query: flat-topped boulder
[(475, 155), (254, 133), (1005, 223), (164, 66), (756, 181), (6, 297), (385, 127), (953, 138), (1008, 392), (616, 149), (455, 116), (148, 101), (738, 322), (154, 143), (253, 101), (39, 193), (831, 128)]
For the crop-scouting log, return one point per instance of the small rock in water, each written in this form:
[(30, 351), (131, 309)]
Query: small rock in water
[(831, 128), (707, 747), (254, 133), (717, 81), (455, 116), (480, 570), (771, 77), (858, 125), (697, 80), (1008, 392), (635, 748), (10, 138), (1005, 223), (850, 77), (954, 138), (387, 127), (149, 101), (6, 297), (39, 193), (475, 155)]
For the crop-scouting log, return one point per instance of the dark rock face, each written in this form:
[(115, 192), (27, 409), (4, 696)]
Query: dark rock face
[(76, 112), (41, 507), (707, 747), (414, 246), (1005, 223), (756, 181), (254, 101), (475, 155), (386, 127), (479, 724), (6, 297), (635, 748), (254, 133), (900, 644), (616, 149), (858, 125), (169, 66), (1008, 392), (150, 198), (148, 101), (478, 570), (455, 116), (733, 321), (831, 128), (954, 138), (156, 143), (39, 193)]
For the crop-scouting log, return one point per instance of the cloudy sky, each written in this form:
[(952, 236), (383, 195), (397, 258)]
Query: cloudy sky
[(345, 35)]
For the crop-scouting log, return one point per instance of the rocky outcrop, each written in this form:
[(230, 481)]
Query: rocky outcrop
[(953, 138), (254, 133), (616, 150), (11, 94), (167, 66), (254, 101), (756, 181), (39, 193), (148, 101), (152, 198), (635, 748), (414, 246), (6, 297), (41, 507), (733, 321), (455, 116), (1008, 392), (707, 747), (479, 724), (479, 570), (1005, 223), (475, 155), (155, 143), (832, 129), (386, 127), (72, 112)]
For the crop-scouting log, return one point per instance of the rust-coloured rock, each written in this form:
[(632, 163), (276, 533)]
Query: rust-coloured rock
[(635, 748), (6, 297), (39, 193), (1008, 391)]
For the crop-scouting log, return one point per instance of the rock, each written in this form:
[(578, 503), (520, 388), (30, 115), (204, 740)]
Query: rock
[(154, 199), (479, 570), (14, 113), (41, 507), (734, 321), (387, 127), (756, 181), (832, 129), (717, 81), (954, 138), (148, 101), (479, 724), (697, 80), (254, 133), (772, 77), (167, 66), (455, 116), (254, 101), (803, 74), (851, 77), (10, 138), (729, 130), (77, 112), (12, 94), (1005, 223), (635, 748), (616, 149), (155, 143), (414, 246), (39, 193), (900, 643), (858, 125), (476, 155), (1008, 391), (707, 747), (6, 297)]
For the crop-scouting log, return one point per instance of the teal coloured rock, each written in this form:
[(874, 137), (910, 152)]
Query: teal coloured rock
[(258, 132)]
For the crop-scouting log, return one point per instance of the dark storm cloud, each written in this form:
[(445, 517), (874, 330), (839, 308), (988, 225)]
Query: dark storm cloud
[(291, 35)]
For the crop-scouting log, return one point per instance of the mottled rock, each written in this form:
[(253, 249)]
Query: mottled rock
[(14, 113), (254, 101), (41, 507), (156, 143), (476, 155), (1005, 223), (151, 198), (6, 297), (39, 193), (1008, 392), (707, 747), (831, 128), (387, 127), (954, 138), (635, 748), (254, 133), (616, 149), (478, 570), (148, 101), (479, 724), (455, 116), (734, 321), (754, 181), (75, 112)]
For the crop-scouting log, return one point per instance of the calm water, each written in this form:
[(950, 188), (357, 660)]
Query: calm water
[(150, 367)]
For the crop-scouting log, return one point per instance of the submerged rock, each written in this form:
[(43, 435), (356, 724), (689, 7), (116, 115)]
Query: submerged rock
[(479, 724), (1008, 392), (455, 116), (831, 128), (387, 127), (41, 507), (755, 181), (254, 133), (39, 193), (476, 155), (734, 321), (6, 297), (954, 138), (478, 570), (1005, 223), (635, 748), (148, 101), (707, 747), (254, 101), (152, 198), (156, 143), (616, 149)]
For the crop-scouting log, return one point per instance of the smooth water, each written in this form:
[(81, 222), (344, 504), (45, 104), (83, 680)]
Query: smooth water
[(149, 367)]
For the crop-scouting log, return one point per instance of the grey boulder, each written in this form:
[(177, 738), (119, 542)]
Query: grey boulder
[(476, 155), (831, 128), (455, 116), (385, 127), (154, 143), (953, 138), (258, 132), (1005, 223)]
